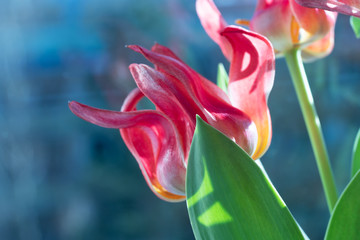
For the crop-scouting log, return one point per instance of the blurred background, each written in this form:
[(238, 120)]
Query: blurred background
[(63, 178)]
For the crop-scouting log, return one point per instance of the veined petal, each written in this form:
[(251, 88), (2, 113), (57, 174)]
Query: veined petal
[(217, 111), (251, 79), (152, 139), (348, 7), (157, 48), (185, 75), (213, 23), (170, 97), (316, 22), (319, 48)]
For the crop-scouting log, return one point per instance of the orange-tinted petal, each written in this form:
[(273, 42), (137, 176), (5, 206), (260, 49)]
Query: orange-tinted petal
[(316, 22), (295, 31), (320, 48)]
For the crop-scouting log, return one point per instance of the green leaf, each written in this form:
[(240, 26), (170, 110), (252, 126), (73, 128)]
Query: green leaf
[(222, 78), (356, 155), (345, 219), (355, 24), (228, 196)]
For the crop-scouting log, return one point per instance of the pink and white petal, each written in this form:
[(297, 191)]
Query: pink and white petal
[(251, 79), (157, 48), (151, 138), (179, 70), (213, 23), (348, 7), (216, 111), (170, 97)]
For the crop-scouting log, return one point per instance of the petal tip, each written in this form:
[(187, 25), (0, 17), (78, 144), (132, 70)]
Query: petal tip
[(78, 109), (135, 48)]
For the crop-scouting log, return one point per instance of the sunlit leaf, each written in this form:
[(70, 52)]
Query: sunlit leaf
[(228, 196), (355, 24), (222, 78), (356, 155), (345, 220)]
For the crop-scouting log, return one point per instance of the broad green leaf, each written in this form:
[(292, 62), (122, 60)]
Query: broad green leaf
[(345, 219), (356, 155), (355, 24), (222, 78), (228, 196)]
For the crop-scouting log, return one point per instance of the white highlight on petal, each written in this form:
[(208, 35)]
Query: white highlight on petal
[(330, 5), (210, 115), (246, 61)]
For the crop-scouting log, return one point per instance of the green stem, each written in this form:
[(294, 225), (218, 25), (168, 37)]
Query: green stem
[(303, 92)]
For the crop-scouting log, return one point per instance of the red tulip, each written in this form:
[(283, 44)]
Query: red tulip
[(160, 139), (284, 22), (348, 7)]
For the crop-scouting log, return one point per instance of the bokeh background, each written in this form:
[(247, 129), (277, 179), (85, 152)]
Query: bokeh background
[(63, 178)]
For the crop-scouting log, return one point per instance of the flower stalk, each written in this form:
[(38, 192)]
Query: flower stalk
[(303, 92)]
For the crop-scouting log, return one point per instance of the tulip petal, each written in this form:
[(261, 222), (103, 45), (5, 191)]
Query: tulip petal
[(217, 111), (197, 86), (170, 97), (316, 22), (213, 23), (158, 48), (213, 88), (348, 7), (320, 48), (279, 28), (151, 138), (251, 79)]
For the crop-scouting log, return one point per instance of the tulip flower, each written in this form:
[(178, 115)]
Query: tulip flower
[(348, 7), (160, 139), (284, 22)]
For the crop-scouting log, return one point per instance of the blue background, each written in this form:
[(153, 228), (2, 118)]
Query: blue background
[(63, 178)]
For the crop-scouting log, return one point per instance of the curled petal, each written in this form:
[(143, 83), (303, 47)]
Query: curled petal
[(198, 87), (152, 140), (348, 7), (214, 89), (216, 110), (251, 79), (213, 23), (170, 97), (132, 100)]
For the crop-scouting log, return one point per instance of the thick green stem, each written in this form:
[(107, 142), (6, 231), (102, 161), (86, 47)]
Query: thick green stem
[(303, 92)]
